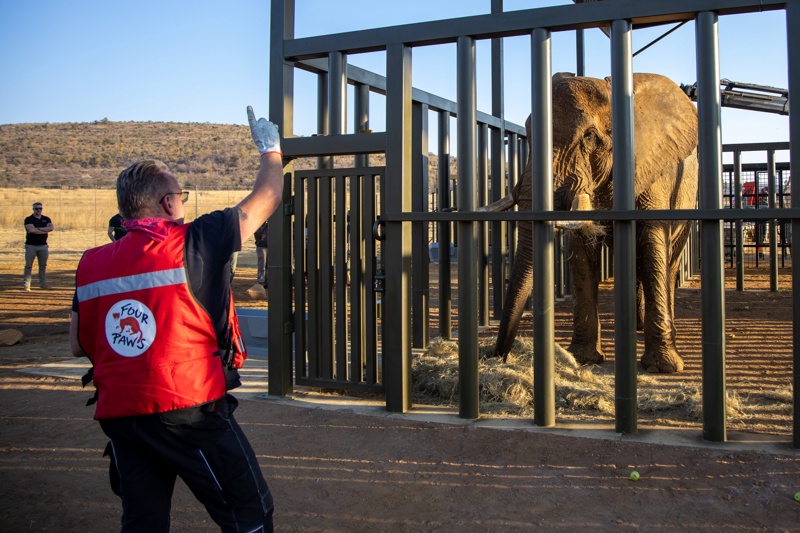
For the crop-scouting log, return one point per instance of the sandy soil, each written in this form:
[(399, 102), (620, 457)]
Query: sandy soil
[(342, 470)]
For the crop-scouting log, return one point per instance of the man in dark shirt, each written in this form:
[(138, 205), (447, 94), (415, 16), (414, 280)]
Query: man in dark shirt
[(37, 227), (154, 443), (116, 230)]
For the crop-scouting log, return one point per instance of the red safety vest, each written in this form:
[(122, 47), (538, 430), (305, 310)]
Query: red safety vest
[(153, 346)]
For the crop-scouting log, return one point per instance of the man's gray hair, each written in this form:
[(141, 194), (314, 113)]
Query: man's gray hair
[(139, 187)]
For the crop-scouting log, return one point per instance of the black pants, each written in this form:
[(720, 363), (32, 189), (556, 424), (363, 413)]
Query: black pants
[(207, 449)]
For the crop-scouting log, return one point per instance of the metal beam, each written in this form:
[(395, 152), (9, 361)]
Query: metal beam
[(377, 84), (516, 23), (763, 213), (544, 393), (793, 51), (467, 230), (279, 264), (624, 230), (710, 190), (350, 144), (396, 301)]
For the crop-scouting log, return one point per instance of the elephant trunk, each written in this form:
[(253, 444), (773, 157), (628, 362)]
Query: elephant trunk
[(519, 288)]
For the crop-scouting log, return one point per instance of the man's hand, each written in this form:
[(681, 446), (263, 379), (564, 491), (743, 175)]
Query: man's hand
[(264, 132)]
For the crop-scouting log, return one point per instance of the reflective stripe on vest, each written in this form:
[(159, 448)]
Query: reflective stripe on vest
[(149, 280)]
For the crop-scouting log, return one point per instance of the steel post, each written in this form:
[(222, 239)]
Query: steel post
[(279, 262), (419, 245), (793, 52), (624, 230), (772, 224), (737, 192), (544, 396), (445, 308), (466, 90), (499, 229), (710, 183), (360, 282), (483, 227), (397, 251)]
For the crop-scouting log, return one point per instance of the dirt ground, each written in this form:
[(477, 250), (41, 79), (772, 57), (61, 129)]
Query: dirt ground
[(353, 469)]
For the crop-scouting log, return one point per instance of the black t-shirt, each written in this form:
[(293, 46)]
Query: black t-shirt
[(37, 239), (116, 224)]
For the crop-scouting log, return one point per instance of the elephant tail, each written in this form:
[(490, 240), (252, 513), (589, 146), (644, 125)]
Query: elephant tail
[(503, 204)]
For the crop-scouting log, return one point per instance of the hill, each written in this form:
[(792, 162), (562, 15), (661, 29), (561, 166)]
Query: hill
[(91, 154)]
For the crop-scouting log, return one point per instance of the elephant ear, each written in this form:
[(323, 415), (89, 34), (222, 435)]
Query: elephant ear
[(665, 127)]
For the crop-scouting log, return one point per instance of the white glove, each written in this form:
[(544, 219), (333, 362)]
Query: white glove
[(264, 132)]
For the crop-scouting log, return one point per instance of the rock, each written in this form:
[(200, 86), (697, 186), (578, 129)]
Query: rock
[(9, 337), (257, 292)]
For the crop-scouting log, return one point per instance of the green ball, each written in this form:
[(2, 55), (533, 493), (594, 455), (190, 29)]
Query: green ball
[(634, 476), (797, 496)]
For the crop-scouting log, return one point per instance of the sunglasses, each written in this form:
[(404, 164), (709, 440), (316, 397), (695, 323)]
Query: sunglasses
[(39, 208), (184, 196)]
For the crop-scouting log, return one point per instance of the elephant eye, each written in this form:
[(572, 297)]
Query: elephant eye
[(589, 138)]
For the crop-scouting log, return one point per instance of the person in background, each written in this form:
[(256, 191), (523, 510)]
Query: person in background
[(37, 228), (261, 254), (116, 230), (162, 382)]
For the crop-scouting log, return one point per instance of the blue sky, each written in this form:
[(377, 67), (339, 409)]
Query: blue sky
[(206, 60)]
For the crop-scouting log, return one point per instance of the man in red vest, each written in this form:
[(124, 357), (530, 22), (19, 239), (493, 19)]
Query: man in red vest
[(154, 313)]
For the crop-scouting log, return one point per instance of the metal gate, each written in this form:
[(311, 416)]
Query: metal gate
[(338, 278)]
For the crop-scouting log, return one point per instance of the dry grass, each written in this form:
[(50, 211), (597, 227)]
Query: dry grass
[(80, 208), (506, 388)]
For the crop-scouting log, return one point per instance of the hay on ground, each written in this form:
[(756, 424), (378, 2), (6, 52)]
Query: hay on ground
[(507, 388)]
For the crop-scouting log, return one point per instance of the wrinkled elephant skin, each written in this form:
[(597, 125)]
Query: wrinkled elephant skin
[(665, 146)]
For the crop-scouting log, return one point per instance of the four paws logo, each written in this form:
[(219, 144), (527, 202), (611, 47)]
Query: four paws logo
[(130, 328)]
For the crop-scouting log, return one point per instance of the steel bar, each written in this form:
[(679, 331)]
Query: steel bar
[(544, 395), (300, 280), (498, 172), (656, 214), (419, 244), (352, 144), (466, 90), (737, 192), (793, 55), (377, 84), (445, 325), (513, 176), (360, 282), (337, 113), (624, 230), (483, 227), (642, 13), (713, 275), (397, 252), (772, 224), (281, 84)]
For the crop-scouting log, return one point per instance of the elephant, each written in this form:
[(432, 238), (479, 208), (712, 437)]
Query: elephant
[(665, 150)]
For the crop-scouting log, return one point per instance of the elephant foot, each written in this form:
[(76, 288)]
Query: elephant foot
[(586, 355), (664, 360)]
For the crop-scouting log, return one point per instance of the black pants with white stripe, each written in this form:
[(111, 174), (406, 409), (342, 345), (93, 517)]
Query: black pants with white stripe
[(207, 449)]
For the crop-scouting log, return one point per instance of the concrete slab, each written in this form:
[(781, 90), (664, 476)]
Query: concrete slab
[(253, 325), (255, 387)]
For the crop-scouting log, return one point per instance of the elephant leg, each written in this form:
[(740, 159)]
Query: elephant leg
[(660, 353), (584, 263), (519, 289), (678, 244)]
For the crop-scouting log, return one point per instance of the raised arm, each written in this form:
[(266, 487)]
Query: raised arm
[(267, 191)]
